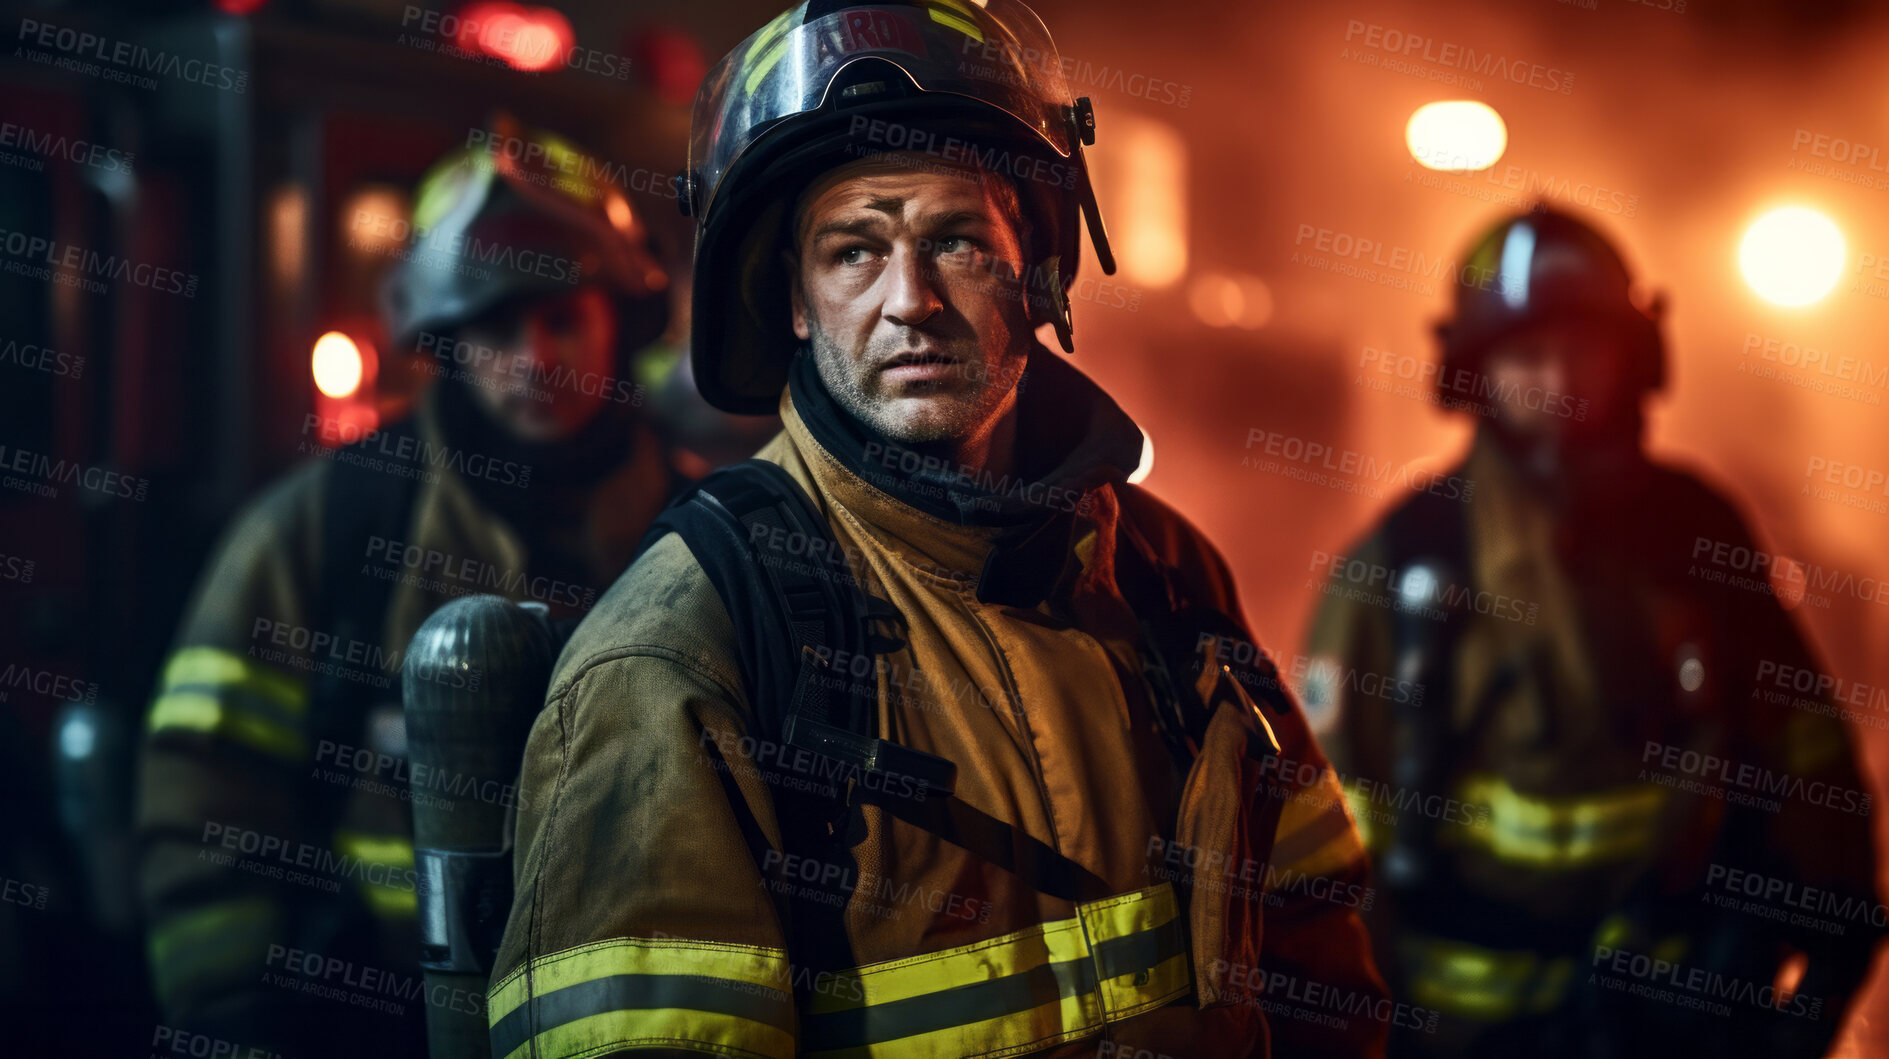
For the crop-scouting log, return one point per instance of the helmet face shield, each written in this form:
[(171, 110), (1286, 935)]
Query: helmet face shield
[(1548, 268), (996, 53)]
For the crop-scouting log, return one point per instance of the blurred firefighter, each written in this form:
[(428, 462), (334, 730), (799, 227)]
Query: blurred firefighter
[(1022, 815), (1556, 726), (275, 819)]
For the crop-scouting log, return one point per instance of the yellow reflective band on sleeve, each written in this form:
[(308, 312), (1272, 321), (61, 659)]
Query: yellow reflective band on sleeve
[(221, 693), (1316, 835), (1569, 832), (387, 880), (1032, 988), (208, 949), (217, 667), (198, 711), (641, 992), (1471, 982)]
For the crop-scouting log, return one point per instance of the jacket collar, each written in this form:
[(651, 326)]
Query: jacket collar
[(1013, 533)]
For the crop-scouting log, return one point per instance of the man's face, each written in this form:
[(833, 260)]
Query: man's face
[(544, 383), (1561, 381), (905, 286)]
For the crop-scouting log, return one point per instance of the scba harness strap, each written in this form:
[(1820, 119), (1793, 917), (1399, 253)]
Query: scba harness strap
[(776, 565)]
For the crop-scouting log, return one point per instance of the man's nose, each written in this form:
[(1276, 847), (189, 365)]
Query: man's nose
[(912, 295)]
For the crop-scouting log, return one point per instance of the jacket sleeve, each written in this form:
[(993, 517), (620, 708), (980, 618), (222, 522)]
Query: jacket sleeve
[(1819, 839), (1314, 940), (224, 753), (640, 921)]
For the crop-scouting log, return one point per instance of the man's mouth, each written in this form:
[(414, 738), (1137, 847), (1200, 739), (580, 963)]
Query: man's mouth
[(919, 366)]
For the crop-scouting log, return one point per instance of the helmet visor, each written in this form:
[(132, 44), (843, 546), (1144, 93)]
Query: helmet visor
[(995, 52)]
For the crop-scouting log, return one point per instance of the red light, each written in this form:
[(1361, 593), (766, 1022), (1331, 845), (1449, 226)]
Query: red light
[(525, 37), (668, 61), (240, 7)]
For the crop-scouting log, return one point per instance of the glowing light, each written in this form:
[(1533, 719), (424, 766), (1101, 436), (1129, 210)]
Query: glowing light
[(1457, 136), (527, 37), (1792, 256), (1145, 466), (1221, 299), (1141, 180), (338, 365), (373, 221)]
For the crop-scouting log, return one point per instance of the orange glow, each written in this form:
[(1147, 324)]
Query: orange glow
[(288, 220), (1221, 299), (528, 38), (374, 220), (1141, 182), (338, 365)]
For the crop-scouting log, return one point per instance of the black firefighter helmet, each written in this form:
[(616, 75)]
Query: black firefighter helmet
[(1542, 266), (831, 81), (523, 215)]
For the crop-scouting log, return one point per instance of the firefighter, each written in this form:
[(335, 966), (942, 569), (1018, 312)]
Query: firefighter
[(1021, 850), (1562, 727), (275, 820)]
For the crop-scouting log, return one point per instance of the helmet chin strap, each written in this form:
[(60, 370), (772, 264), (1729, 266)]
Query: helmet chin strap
[(1056, 303)]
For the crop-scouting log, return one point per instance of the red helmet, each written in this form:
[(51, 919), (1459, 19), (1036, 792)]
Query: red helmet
[(1545, 265)]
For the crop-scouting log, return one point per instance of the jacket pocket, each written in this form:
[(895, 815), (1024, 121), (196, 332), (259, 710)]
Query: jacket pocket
[(1225, 831)]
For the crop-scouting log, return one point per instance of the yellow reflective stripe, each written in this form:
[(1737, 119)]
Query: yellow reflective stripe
[(203, 712), (1031, 988), (209, 947), (1358, 804), (963, 26), (222, 693), (1563, 832), (387, 897), (1316, 835), (608, 995), (1124, 919), (769, 45), (219, 668), (1483, 984)]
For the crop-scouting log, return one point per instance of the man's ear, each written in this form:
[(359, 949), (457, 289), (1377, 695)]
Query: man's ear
[(801, 330)]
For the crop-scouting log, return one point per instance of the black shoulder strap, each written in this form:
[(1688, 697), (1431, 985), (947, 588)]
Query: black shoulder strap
[(776, 565)]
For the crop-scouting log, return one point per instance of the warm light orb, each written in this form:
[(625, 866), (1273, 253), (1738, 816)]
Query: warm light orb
[(1792, 256), (1457, 136), (337, 365)]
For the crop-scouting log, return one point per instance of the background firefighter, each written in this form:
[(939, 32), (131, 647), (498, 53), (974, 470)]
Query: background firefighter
[(1582, 757), (274, 814)]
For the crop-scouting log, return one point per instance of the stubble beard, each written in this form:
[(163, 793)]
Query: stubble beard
[(949, 417)]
